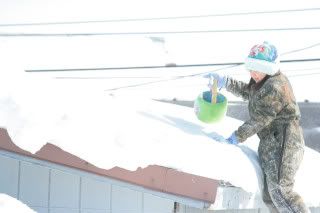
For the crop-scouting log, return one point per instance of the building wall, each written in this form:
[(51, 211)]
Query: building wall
[(61, 190), (52, 188)]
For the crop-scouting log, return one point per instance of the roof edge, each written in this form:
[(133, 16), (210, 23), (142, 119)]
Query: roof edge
[(154, 177)]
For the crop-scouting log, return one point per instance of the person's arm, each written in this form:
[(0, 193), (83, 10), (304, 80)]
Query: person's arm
[(237, 88), (267, 108)]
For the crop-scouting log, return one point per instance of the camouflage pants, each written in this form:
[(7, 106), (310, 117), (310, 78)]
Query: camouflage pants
[(280, 155), (282, 199)]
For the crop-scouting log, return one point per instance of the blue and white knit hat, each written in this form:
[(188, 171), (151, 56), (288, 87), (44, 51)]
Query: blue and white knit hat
[(263, 58)]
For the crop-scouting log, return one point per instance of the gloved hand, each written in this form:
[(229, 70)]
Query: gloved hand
[(221, 80), (233, 139)]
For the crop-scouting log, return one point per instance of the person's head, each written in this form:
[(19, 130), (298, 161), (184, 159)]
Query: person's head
[(257, 76), (262, 61)]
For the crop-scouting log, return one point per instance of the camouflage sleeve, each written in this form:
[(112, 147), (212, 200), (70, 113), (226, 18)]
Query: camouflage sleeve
[(238, 88), (267, 106)]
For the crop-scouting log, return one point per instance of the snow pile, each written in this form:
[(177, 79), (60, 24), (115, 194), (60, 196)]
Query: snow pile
[(125, 131), (9, 204), (130, 131)]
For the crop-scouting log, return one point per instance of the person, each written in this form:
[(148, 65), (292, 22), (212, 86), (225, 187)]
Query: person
[(274, 116)]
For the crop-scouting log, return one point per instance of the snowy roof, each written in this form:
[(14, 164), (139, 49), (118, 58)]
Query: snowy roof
[(117, 132), (110, 118), (153, 177)]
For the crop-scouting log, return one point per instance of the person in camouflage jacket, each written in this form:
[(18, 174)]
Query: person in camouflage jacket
[(274, 117)]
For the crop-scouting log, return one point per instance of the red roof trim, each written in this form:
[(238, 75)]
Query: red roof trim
[(153, 177)]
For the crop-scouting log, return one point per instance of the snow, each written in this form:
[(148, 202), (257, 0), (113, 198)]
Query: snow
[(9, 204), (126, 128), (110, 118)]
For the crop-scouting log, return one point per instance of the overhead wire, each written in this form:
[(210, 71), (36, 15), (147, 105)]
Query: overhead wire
[(155, 33), (173, 77), (232, 64), (162, 18), (165, 80), (229, 65), (196, 74), (22, 34), (164, 66), (301, 49)]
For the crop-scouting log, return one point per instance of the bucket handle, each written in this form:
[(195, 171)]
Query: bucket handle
[(214, 91)]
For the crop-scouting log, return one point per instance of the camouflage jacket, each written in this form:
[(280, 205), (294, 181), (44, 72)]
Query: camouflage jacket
[(270, 106)]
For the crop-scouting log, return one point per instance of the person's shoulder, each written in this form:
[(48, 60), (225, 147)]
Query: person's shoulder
[(274, 85), (278, 85), (277, 80)]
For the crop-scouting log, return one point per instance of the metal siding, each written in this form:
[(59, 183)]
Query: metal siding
[(63, 210), (64, 190), (40, 209), (95, 211), (95, 194), (181, 208), (194, 210), (156, 204), (125, 200), (315, 209), (34, 184), (9, 176)]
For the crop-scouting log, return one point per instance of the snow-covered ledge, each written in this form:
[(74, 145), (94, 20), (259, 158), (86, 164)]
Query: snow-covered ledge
[(229, 197)]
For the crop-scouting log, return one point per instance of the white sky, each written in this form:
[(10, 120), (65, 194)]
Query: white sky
[(59, 10), (79, 112), (182, 48), (139, 50)]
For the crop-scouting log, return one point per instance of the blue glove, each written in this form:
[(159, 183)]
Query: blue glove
[(221, 80), (233, 139)]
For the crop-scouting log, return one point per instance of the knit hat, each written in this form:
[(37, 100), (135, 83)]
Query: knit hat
[(263, 58)]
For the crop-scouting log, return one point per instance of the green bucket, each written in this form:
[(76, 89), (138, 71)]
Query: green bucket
[(210, 112)]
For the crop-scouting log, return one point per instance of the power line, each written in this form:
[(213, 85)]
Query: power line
[(230, 65), (304, 74), (152, 33), (133, 67), (158, 77), (301, 49), (161, 18), (159, 67), (165, 80), (305, 69)]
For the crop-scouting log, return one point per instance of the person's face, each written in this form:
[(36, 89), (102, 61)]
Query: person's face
[(257, 76)]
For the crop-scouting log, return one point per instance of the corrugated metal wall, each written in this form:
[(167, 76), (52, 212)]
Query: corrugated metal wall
[(55, 190), (51, 188)]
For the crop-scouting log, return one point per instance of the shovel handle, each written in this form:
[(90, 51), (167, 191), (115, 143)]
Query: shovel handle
[(214, 91)]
